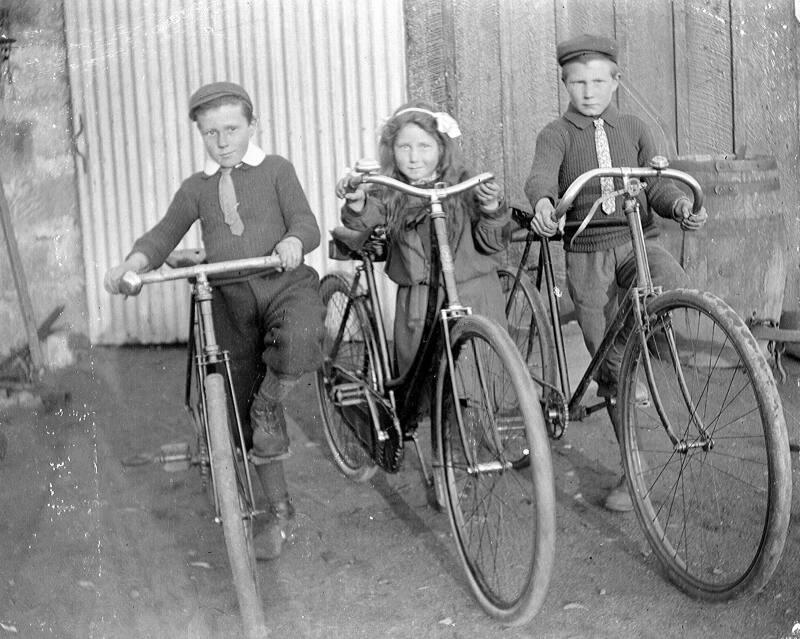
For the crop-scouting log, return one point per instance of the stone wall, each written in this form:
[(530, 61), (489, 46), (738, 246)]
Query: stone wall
[(37, 168)]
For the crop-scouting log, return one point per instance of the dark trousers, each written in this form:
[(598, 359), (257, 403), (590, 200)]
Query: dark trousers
[(273, 322), (598, 281)]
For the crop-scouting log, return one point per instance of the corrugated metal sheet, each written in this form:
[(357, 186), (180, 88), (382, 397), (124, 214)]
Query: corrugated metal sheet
[(322, 74)]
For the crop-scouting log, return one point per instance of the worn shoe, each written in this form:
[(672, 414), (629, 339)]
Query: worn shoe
[(269, 542), (618, 499), (609, 391)]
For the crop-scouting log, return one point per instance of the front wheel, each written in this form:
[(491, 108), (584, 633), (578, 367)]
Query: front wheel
[(237, 524), (714, 500), (502, 512)]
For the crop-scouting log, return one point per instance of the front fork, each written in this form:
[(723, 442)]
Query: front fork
[(207, 353), (680, 445), (474, 467)]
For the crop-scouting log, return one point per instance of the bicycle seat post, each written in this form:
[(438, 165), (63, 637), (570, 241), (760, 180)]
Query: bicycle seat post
[(202, 295)]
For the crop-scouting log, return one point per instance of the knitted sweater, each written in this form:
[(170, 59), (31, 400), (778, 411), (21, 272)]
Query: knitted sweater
[(565, 149), (272, 206)]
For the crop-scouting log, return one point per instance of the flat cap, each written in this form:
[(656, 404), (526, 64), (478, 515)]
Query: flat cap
[(209, 92), (583, 44)]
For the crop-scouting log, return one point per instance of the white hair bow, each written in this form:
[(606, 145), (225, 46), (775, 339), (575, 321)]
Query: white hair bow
[(445, 123)]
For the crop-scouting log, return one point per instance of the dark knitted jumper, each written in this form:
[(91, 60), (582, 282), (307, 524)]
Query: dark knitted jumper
[(565, 149), (272, 206)]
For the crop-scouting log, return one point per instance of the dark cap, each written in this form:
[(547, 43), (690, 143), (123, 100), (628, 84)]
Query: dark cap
[(209, 92), (586, 44)]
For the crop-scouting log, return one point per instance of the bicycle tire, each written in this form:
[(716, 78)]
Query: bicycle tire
[(236, 523), (529, 326), (356, 354), (502, 514), (716, 516)]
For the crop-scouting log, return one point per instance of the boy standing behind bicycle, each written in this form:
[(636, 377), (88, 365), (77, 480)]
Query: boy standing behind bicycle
[(249, 204), (600, 266)]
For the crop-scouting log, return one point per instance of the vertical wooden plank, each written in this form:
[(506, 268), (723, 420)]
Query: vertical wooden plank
[(792, 294), (428, 45), (764, 48), (530, 82), (644, 35), (681, 66), (477, 96), (706, 114)]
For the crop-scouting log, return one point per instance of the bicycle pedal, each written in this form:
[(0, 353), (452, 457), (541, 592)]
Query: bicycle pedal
[(175, 457), (349, 394)]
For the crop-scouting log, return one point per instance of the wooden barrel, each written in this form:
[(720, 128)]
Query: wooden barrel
[(741, 254)]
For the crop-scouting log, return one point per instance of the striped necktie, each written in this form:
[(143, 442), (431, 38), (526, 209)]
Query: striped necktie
[(604, 162), (228, 202)]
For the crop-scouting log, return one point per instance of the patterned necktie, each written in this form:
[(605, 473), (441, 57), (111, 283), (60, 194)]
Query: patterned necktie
[(604, 162), (227, 200)]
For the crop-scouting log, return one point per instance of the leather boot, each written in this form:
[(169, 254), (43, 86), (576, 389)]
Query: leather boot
[(270, 439), (269, 541)]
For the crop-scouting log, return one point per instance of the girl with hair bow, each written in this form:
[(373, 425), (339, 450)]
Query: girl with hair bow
[(419, 145)]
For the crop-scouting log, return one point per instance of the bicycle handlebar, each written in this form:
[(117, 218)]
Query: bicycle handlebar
[(625, 172), (433, 195), (131, 282)]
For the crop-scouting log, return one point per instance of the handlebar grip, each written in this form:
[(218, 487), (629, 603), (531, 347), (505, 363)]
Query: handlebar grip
[(130, 283), (366, 165), (353, 178)]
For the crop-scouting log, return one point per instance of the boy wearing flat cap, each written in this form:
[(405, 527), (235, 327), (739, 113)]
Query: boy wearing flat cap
[(600, 265), (249, 204)]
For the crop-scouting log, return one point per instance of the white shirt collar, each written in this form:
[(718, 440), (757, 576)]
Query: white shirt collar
[(253, 156)]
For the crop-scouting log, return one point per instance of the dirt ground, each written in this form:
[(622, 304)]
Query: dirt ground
[(92, 548)]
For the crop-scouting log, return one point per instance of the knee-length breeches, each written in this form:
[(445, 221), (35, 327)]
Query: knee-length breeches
[(270, 322)]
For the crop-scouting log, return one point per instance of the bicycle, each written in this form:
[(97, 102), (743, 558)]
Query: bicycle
[(492, 469), (219, 447), (707, 456)]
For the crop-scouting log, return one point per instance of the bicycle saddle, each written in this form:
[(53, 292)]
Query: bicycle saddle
[(348, 244)]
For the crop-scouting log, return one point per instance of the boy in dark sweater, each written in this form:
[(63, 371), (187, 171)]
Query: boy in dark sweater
[(599, 262), (249, 204)]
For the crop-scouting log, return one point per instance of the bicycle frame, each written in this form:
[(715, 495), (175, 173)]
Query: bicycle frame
[(633, 307), (204, 353), (452, 305), (388, 383)]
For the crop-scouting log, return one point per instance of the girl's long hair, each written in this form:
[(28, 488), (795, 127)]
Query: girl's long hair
[(451, 168)]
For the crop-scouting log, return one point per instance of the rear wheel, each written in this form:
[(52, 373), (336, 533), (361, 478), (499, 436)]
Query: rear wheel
[(340, 382), (236, 515), (714, 504), (529, 327), (502, 512)]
